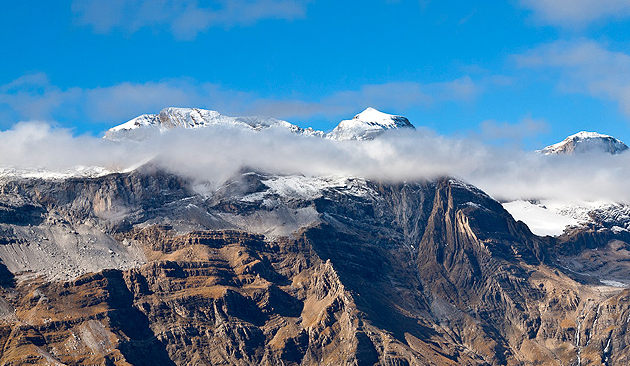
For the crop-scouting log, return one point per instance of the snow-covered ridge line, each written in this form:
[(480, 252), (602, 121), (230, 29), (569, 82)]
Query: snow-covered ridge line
[(78, 171), (52, 174), (146, 125)]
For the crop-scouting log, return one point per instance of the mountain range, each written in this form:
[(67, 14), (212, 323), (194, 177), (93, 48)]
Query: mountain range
[(148, 267), (364, 126)]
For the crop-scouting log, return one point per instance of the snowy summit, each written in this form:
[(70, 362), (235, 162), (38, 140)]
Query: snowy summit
[(367, 125), (585, 142)]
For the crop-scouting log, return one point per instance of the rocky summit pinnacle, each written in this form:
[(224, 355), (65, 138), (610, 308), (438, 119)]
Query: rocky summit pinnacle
[(586, 142)]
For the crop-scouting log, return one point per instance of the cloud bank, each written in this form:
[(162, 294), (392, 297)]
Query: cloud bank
[(585, 67), (215, 154)]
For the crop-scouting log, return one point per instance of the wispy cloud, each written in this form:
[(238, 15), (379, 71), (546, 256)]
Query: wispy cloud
[(584, 67), (34, 97), (577, 13), (184, 18), (388, 96), (514, 134)]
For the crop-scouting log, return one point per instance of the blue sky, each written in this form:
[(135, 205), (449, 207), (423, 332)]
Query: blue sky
[(522, 72)]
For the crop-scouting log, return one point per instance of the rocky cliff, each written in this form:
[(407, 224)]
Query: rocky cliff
[(148, 268)]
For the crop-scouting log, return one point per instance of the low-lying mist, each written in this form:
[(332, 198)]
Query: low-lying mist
[(214, 154)]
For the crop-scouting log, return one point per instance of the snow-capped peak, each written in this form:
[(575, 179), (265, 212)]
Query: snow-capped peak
[(367, 125), (188, 118), (584, 142), (372, 115)]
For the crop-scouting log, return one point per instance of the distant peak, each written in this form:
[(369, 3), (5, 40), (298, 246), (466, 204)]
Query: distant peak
[(586, 142)]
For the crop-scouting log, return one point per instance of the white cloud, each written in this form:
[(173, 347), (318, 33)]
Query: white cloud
[(34, 97), (577, 13), (585, 67), (185, 18)]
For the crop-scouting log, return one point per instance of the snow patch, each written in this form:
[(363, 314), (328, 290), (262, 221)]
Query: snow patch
[(41, 173), (300, 186), (541, 219), (612, 283), (550, 217)]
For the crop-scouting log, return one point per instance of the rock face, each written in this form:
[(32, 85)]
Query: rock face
[(272, 270), (585, 142)]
